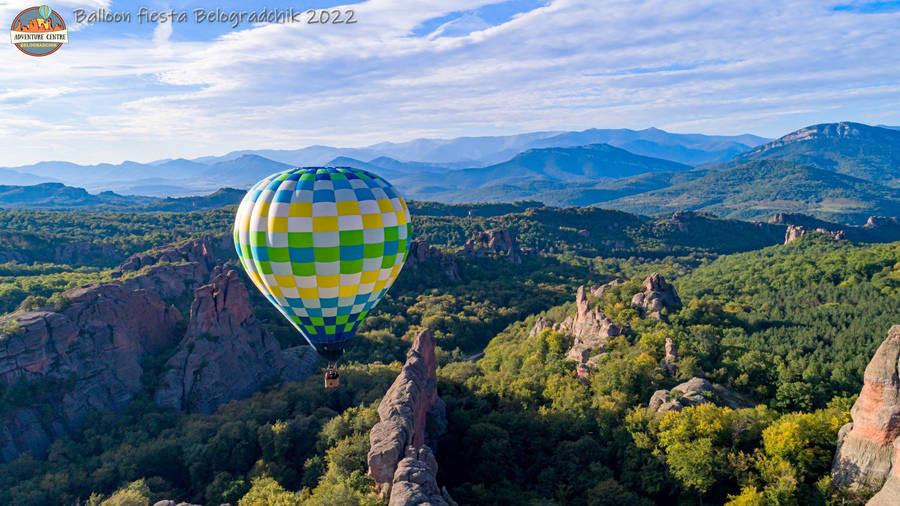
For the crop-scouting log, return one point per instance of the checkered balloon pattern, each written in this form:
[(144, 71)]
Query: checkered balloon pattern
[(323, 245)]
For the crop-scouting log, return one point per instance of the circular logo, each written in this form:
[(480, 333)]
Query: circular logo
[(38, 31)]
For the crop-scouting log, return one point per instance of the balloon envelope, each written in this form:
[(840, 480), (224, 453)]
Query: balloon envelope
[(44, 11), (323, 245)]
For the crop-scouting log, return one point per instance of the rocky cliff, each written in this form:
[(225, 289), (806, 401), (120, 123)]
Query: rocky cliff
[(493, 242), (402, 465), (657, 294), (421, 252), (590, 328), (89, 355), (867, 454), (92, 351), (795, 232), (226, 353)]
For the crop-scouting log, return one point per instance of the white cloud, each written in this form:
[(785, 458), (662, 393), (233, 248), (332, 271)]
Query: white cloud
[(731, 67)]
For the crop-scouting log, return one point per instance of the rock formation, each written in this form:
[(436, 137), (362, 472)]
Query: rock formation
[(420, 252), (657, 294), (223, 336), (683, 218), (400, 462), (867, 454), (493, 241), (795, 232), (92, 351), (693, 392), (882, 221), (590, 328), (671, 357), (95, 346), (598, 290)]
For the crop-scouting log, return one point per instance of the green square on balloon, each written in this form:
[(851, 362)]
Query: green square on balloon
[(351, 237), (257, 238), (328, 254), (390, 234), (351, 266), (303, 268), (330, 329), (373, 250), (300, 239), (279, 255)]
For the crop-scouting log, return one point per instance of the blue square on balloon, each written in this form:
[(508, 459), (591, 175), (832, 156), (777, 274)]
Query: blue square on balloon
[(364, 194), (390, 248), (314, 312), (352, 252), (295, 176), (260, 253), (323, 195), (361, 299), (389, 192), (284, 195), (302, 255), (306, 184), (343, 310), (331, 320), (329, 301), (341, 184)]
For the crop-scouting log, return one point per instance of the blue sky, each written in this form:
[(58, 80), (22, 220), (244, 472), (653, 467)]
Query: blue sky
[(433, 68)]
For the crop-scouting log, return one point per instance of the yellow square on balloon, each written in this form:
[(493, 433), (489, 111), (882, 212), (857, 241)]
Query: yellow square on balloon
[(300, 209), (348, 208), (369, 276), (325, 224), (348, 290), (278, 224), (385, 205), (309, 293), (371, 221)]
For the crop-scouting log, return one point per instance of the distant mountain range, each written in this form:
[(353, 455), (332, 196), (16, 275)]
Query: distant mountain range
[(181, 177), (837, 172), (759, 189), (58, 196), (854, 149)]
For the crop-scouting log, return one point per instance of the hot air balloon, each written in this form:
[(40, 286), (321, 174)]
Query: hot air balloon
[(45, 11), (324, 245)]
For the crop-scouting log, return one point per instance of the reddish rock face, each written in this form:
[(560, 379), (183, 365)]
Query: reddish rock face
[(226, 353), (399, 461), (657, 294), (421, 252), (493, 241), (98, 342), (866, 447), (876, 414)]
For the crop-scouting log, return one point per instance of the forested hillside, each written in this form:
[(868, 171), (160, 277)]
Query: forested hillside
[(783, 333)]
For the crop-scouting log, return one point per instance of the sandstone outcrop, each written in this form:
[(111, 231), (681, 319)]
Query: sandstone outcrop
[(224, 337), (92, 351), (867, 456), (590, 328), (400, 462), (94, 348), (657, 294), (492, 242), (693, 392), (882, 221), (669, 362), (421, 252), (795, 232)]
